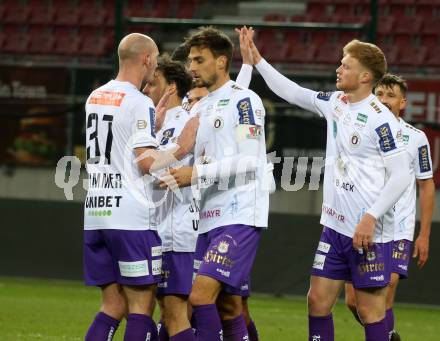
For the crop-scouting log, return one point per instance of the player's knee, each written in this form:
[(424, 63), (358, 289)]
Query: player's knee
[(199, 297), (318, 304), (368, 315)]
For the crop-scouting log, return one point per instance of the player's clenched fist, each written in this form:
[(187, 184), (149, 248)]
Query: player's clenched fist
[(363, 234), (183, 176)]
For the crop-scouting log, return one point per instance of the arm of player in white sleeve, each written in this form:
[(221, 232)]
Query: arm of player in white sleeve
[(397, 166), (245, 75), (287, 89), (245, 161)]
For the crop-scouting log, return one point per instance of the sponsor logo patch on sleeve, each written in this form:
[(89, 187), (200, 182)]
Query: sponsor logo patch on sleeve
[(325, 96), (425, 165), (245, 112), (386, 139)]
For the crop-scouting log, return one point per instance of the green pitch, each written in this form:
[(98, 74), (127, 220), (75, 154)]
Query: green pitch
[(57, 311)]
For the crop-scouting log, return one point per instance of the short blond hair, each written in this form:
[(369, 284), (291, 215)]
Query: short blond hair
[(370, 56)]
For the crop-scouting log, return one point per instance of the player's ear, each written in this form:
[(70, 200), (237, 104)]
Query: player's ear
[(221, 62), (403, 103), (172, 87)]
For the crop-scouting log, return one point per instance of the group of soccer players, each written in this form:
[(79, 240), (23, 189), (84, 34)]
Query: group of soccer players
[(178, 198)]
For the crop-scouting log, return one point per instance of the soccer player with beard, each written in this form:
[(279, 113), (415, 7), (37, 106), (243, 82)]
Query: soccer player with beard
[(175, 217), (234, 204), (391, 91), (366, 172), (122, 250)]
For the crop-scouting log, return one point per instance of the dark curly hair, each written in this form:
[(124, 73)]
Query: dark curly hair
[(214, 40), (175, 72), (389, 80)]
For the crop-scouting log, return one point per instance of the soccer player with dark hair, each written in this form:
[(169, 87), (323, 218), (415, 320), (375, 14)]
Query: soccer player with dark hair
[(176, 216), (231, 149), (122, 250), (391, 91), (366, 172)]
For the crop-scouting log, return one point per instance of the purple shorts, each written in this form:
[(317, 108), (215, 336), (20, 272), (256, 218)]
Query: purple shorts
[(122, 256), (227, 254), (176, 273), (336, 259), (401, 257)]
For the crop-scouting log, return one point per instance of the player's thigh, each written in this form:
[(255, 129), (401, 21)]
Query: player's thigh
[(323, 294), (370, 303), (205, 290), (350, 297), (229, 306)]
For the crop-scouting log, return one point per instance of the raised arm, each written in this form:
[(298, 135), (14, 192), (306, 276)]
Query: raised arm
[(279, 84)]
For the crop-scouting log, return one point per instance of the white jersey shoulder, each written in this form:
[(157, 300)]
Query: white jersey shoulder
[(176, 215), (119, 118), (417, 147), (222, 203)]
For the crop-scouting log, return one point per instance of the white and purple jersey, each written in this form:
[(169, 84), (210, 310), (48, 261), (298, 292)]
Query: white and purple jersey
[(119, 118), (176, 215), (229, 115), (417, 146), (359, 137)]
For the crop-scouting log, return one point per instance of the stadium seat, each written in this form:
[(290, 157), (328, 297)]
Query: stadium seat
[(66, 15), (329, 53), (412, 56), (16, 14), (161, 9), (300, 53), (16, 42), (67, 41), (92, 16), (431, 26), (407, 25), (432, 58), (41, 40), (42, 15), (186, 9), (385, 25)]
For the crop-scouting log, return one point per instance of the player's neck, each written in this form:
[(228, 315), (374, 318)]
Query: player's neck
[(130, 75), (221, 80), (174, 101), (358, 95)]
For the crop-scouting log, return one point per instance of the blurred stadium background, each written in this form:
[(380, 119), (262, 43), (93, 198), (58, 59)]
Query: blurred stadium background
[(54, 52)]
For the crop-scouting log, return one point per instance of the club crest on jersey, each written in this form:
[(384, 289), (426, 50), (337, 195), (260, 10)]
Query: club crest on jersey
[(245, 112), (325, 96), (386, 139), (355, 139), (218, 122), (424, 163), (223, 247)]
